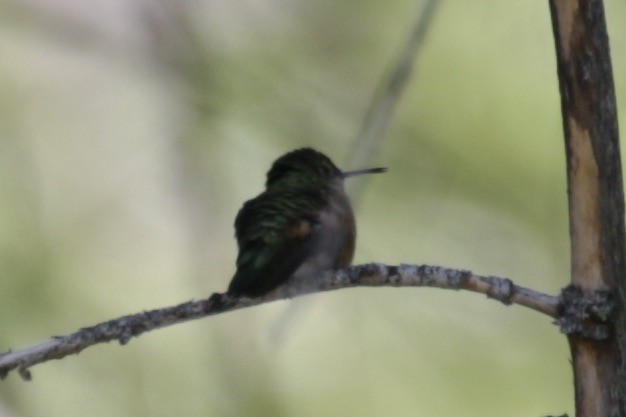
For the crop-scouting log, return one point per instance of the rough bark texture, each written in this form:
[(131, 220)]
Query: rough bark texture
[(125, 328), (596, 201)]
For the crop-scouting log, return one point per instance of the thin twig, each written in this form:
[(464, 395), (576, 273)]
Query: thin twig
[(381, 109), (369, 275), (374, 125)]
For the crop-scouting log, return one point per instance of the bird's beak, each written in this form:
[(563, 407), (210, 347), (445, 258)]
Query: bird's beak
[(363, 171)]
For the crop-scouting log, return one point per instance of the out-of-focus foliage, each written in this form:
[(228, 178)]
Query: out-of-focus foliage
[(131, 132)]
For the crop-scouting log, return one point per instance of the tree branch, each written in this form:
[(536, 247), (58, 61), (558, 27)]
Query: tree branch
[(382, 106), (596, 204), (369, 275)]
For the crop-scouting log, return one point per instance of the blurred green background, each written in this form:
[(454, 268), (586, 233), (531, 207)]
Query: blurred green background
[(131, 133)]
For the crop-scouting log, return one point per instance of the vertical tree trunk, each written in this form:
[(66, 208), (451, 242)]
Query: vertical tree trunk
[(596, 200)]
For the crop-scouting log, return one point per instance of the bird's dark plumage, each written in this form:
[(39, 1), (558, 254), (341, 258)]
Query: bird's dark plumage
[(301, 224), (274, 237)]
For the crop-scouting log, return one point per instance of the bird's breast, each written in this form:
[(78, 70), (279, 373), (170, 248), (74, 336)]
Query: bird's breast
[(333, 238)]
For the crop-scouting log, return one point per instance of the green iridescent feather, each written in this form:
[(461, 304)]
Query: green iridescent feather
[(271, 244)]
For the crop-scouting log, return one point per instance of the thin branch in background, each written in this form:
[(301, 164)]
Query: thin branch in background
[(125, 328), (381, 110), (373, 129)]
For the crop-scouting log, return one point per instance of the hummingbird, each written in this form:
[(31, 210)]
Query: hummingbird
[(300, 226)]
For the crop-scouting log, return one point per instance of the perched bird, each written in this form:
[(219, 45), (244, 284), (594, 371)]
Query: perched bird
[(300, 226)]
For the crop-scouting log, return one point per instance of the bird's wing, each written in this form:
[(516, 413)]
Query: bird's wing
[(274, 233)]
